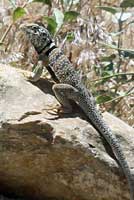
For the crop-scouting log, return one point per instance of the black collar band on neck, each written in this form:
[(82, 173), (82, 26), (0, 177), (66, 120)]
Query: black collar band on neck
[(49, 50), (41, 51), (46, 50), (45, 53)]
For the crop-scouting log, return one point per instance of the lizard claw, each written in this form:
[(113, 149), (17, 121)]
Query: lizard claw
[(28, 75), (53, 110), (58, 110)]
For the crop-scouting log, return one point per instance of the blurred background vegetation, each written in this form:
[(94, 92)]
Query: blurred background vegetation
[(96, 35)]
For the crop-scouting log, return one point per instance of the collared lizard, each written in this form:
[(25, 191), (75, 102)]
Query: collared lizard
[(69, 87)]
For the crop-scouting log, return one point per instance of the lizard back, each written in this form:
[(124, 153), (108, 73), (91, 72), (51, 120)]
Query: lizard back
[(66, 73)]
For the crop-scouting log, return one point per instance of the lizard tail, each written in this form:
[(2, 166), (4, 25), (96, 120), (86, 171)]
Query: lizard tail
[(99, 124)]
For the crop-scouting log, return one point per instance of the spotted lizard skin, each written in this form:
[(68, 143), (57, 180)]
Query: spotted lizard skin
[(66, 74)]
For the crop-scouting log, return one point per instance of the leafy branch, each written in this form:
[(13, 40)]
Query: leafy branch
[(111, 76), (119, 98), (17, 13)]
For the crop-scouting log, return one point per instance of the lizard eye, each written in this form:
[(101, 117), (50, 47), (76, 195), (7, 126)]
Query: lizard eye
[(35, 29)]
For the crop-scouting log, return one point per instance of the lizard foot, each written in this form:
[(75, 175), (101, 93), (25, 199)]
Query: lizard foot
[(58, 110), (28, 76)]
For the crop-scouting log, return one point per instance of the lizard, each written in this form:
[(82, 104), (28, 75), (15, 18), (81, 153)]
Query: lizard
[(69, 87)]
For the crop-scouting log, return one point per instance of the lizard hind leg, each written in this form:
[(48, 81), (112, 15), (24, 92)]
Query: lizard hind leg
[(64, 93)]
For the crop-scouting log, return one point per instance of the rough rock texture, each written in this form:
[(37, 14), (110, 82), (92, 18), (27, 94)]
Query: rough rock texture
[(75, 166), (8, 198)]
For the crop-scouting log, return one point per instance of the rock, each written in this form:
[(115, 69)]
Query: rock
[(6, 198), (43, 156)]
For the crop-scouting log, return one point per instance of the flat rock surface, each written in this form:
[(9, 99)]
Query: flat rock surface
[(43, 156)]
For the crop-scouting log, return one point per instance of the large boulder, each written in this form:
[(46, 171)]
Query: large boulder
[(45, 156)]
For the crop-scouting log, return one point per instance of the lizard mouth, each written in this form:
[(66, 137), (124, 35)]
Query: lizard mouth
[(23, 27)]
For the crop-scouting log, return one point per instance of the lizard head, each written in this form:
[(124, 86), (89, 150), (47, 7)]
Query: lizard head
[(38, 36)]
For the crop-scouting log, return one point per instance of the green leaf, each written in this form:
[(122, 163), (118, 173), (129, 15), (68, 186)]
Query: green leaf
[(127, 4), (70, 36), (18, 13), (70, 15), (102, 99), (128, 54), (109, 9), (51, 24), (48, 2), (59, 16), (109, 68), (106, 73), (108, 58)]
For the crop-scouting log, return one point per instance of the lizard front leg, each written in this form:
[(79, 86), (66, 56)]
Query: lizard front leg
[(64, 93), (37, 71)]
